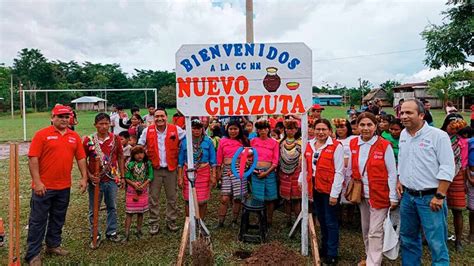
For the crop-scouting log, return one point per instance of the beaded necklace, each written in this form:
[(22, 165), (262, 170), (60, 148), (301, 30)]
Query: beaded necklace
[(139, 170), (197, 150), (290, 154)]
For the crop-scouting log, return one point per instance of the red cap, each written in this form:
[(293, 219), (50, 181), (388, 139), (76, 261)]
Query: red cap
[(317, 107), (60, 110)]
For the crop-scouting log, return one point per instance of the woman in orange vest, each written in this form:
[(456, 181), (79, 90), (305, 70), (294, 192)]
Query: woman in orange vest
[(372, 161), (325, 164)]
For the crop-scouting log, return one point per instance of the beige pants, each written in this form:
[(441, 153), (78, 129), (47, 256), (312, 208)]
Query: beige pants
[(372, 231), (169, 179)]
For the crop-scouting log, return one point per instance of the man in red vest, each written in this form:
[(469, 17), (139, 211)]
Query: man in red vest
[(162, 145)]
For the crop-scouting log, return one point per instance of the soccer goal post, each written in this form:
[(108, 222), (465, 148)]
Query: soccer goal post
[(23, 98)]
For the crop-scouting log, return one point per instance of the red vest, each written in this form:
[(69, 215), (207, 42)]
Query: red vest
[(171, 146), (376, 171), (325, 168)]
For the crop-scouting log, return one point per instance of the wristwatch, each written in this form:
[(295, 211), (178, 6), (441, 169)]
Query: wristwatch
[(439, 195)]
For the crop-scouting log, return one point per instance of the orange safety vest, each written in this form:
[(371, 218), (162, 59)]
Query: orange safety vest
[(325, 168), (171, 146), (377, 172)]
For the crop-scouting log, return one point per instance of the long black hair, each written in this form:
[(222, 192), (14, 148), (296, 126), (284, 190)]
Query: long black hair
[(241, 135)]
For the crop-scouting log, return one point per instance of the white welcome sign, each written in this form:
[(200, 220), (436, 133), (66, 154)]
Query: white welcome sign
[(244, 79)]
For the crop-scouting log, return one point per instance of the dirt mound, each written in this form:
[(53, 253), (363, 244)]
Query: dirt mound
[(202, 253), (274, 253)]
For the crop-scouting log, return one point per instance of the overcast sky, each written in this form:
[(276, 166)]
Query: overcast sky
[(146, 34)]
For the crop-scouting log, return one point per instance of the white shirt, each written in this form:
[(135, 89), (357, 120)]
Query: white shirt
[(149, 119), (114, 119), (161, 142), (390, 164), (338, 166), (425, 158)]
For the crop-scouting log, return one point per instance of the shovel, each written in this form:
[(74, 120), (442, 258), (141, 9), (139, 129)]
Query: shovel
[(201, 227)]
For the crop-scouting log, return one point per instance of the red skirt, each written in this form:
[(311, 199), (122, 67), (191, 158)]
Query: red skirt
[(456, 196), (289, 188), (136, 203), (202, 184)]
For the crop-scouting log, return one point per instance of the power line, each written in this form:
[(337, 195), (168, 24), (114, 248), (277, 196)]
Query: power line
[(368, 55)]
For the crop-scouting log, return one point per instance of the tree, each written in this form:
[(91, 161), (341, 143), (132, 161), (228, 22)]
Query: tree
[(447, 86), (388, 87), (451, 43), (167, 96)]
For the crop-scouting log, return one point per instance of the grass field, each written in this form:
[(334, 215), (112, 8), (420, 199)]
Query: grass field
[(163, 248)]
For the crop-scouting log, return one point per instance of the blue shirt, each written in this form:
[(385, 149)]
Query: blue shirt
[(208, 152), (425, 159), (471, 151)]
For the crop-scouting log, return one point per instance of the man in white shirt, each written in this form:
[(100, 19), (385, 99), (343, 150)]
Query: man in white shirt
[(162, 145), (426, 168)]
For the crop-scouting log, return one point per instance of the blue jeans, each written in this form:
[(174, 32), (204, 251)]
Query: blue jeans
[(108, 191), (328, 220), (415, 214), (49, 210)]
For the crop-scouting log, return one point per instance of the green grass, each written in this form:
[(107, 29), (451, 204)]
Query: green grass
[(163, 248)]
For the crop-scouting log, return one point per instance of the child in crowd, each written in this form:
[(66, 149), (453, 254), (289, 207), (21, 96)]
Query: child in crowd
[(354, 127), (384, 124), (133, 141), (249, 130), (395, 130), (275, 134), (124, 140), (139, 174)]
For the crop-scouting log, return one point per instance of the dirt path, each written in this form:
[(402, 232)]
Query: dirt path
[(5, 149)]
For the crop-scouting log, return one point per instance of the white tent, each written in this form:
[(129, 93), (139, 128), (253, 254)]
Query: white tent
[(90, 103)]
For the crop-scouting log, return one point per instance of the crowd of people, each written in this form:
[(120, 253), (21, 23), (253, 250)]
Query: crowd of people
[(404, 164)]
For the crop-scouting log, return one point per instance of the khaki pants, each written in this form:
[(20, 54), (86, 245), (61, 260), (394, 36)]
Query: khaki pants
[(372, 231), (167, 178)]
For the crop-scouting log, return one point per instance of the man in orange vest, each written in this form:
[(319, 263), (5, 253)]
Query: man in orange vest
[(162, 145)]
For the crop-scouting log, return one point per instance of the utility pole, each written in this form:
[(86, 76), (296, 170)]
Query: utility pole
[(11, 96), (249, 20)]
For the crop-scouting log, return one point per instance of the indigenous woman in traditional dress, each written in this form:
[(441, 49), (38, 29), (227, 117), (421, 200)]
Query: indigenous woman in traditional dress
[(325, 163), (232, 188), (264, 183), (344, 136), (138, 176), (372, 161), (204, 157), (456, 196), (289, 168)]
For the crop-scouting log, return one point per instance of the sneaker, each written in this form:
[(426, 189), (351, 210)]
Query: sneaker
[(35, 261), (114, 237), (57, 251), (154, 229), (172, 227)]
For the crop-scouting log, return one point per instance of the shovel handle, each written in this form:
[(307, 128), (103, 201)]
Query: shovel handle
[(95, 213)]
